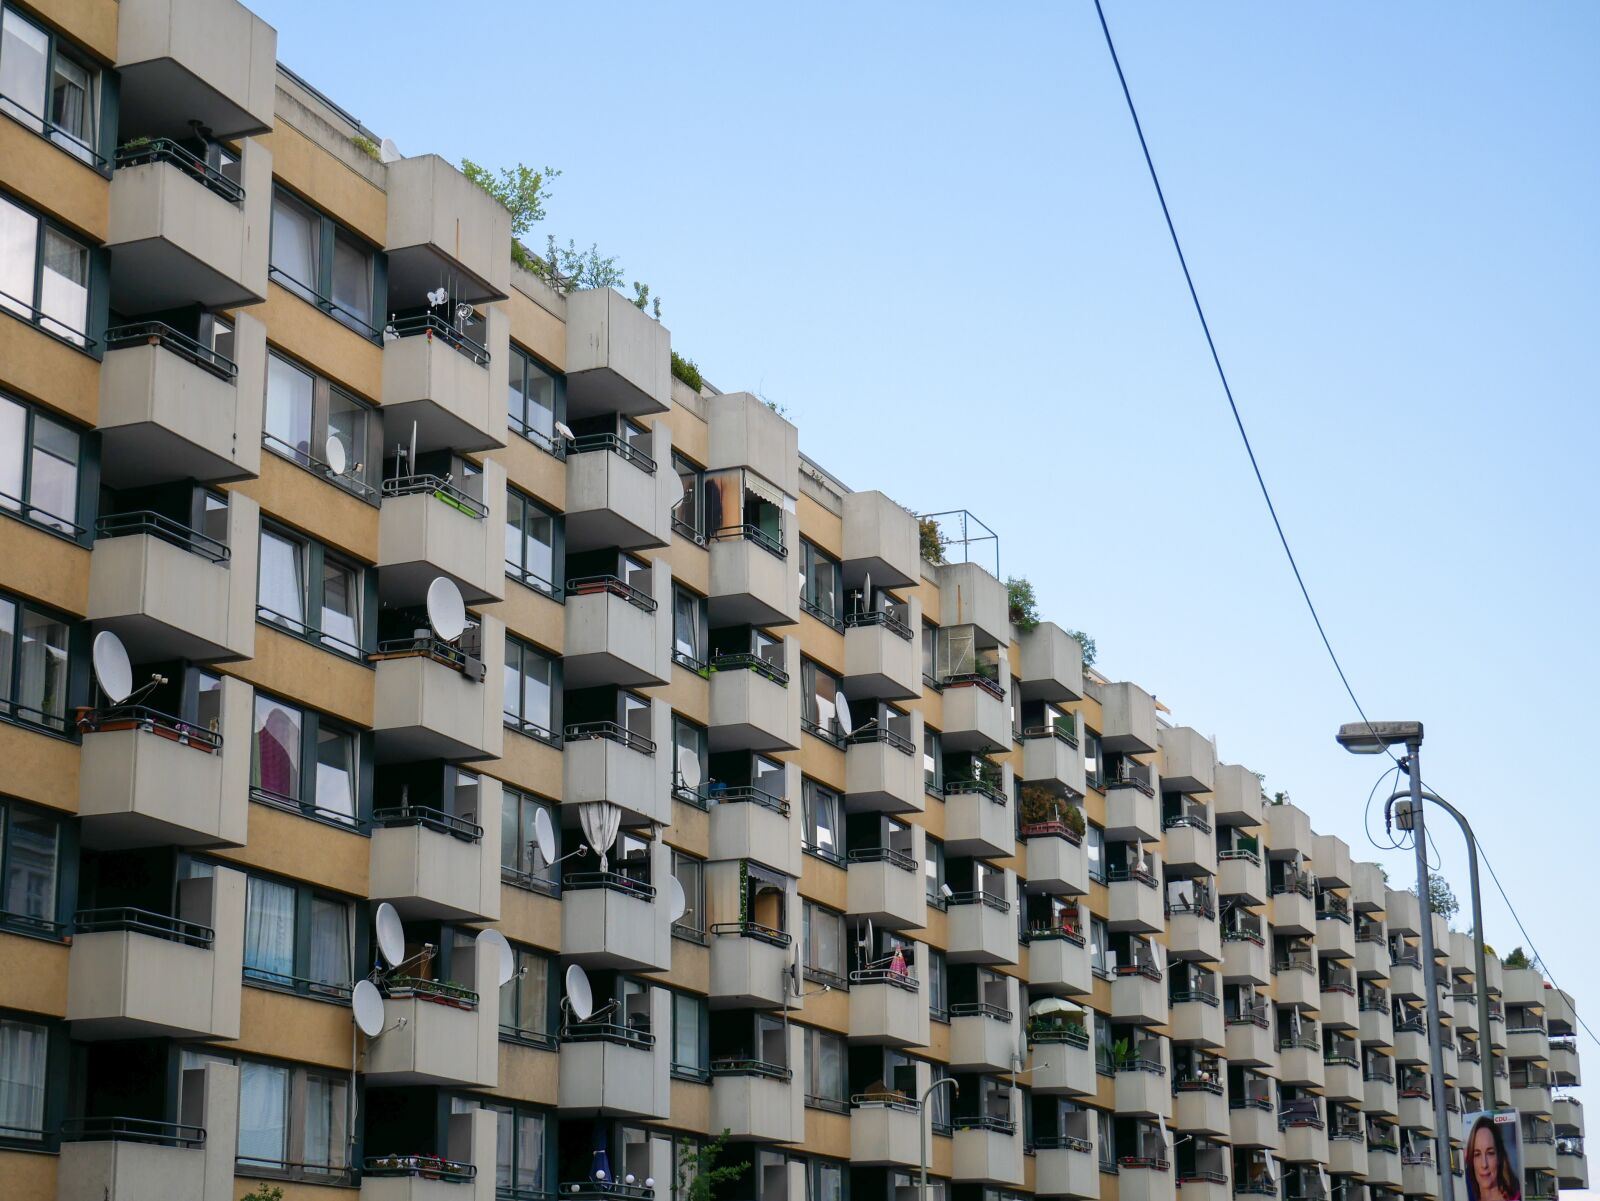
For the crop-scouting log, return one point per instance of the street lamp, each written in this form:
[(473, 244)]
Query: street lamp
[(923, 1118), (1375, 738)]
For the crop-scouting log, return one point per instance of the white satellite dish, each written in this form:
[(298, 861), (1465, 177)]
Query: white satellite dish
[(508, 961), (333, 454), (690, 771), (679, 904), (367, 1003), (580, 997), (391, 934), (447, 612), (565, 431), (112, 670), (846, 726), (866, 593), (544, 836), (388, 152)]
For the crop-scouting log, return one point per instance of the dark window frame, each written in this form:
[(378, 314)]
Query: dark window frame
[(312, 721)]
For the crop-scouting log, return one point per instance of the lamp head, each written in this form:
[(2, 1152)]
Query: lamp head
[(1375, 737)]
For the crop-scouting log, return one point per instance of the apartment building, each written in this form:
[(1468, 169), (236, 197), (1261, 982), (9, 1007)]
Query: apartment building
[(826, 836)]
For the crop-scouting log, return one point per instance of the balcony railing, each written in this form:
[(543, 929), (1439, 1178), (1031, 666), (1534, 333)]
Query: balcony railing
[(429, 326), (979, 897), (621, 447), (1063, 1142), (983, 1121), (149, 721), (424, 1167), (753, 534), (1193, 817), (160, 150), (589, 585), (887, 855), (431, 819), (736, 1066), (974, 679), (131, 1130), (440, 992), (143, 921), (885, 975), (879, 617), (1054, 828), (159, 333), (612, 881), (1132, 775), (984, 1009), (778, 938), (1119, 873), (607, 1032), (426, 646), (613, 732), (443, 490), (1060, 729), (979, 787), (157, 525), (747, 662)]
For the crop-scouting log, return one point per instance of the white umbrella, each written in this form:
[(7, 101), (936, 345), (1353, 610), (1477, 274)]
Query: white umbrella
[(1053, 1005)]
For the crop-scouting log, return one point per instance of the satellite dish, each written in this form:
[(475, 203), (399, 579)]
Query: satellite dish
[(544, 836), (112, 670), (866, 593), (333, 454), (565, 431), (579, 995), (679, 904), (846, 726), (391, 934), (447, 612), (508, 961), (690, 771), (367, 1003), (389, 152)]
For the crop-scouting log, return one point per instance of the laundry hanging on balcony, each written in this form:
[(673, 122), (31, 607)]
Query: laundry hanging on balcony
[(601, 820)]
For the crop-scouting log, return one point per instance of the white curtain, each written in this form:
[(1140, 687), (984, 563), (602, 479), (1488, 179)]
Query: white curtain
[(263, 1113), (269, 928), (601, 820), (283, 586), (22, 1060), (330, 942)]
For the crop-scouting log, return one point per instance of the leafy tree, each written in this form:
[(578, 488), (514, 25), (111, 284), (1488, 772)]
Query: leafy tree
[(1517, 958), (267, 1192), (574, 270), (699, 1175), (687, 370), (1024, 605), (1441, 897), (521, 189), (1087, 643), (641, 298), (932, 540)]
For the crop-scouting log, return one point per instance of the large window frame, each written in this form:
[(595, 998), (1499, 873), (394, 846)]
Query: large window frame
[(326, 240), (34, 1054), (28, 457), (326, 748), (820, 690), (316, 565), (532, 992), (35, 896), (690, 872), (518, 1176), (823, 816), (313, 913), (91, 142), (28, 295), (521, 865), (827, 1089), (517, 719), (523, 516), (691, 630), (303, 410), (691, 1037), (825, 945), (43, 666), (527, 375), (821, 585)]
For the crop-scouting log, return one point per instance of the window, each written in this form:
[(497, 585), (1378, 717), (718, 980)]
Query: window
[(263, 1114), (295, 938), (691, 1037), (293, 1121), (938, 985), (38, 467), (824, 1180), (520, 861), (933, 869), (311, 592), (1099, 950), (689, 871), (35, 653), (46, 88), (819, 585), (531, 543), (939, 1100), (1093, 762), (302, 760), (24, 1052), (326, 265), (819, 701), (306, 413), (532, 404), (688, 513), (824, 822), (826, 1083), (1094, 842), (825, 945), (740, 504), (932, 762), (520, 1135), (526, 1002), (690, 763), (532, 691), (689, 631), (44, 273)]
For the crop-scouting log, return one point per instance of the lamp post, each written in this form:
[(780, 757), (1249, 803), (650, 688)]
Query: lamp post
[(1374, 738), (923, 1118)]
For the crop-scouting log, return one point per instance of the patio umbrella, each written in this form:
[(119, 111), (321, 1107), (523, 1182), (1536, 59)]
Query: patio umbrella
[(1053, 1005)]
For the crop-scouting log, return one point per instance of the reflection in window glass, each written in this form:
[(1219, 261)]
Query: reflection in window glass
[(340, 606), (23, 1048), (24, 57), (352, 282), (263, 1114), (53, 473), (296, 249), (19, 237), (281, 588), (64, 287), (326, 1110), (268, 933), (336, 772), (289, 405), (330, 942), (72, 107), (42, 669), (275, 761), (31, 857)]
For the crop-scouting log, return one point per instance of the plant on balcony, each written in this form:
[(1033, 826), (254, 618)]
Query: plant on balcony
[(1023, 603), (134, 144), (367, 147), (699, 1175), (522, 190), (1087, 643), (932, 542), (1517, 958), (267, 1192), (687, 371), (1040, 807)]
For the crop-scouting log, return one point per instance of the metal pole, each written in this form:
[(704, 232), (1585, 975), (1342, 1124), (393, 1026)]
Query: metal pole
[(1441, 1155), (924, 1117)]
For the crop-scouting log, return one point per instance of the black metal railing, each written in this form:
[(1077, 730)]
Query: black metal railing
[(357, 323), (611, 731), (753, 534), (141, 151), (827, 617), (442, 489), (767, 934), (885, 975), (883, 734), (983, 1121), (611, 881), (149, 721), (157, 525), (430, 326), (879, 617), (883, 855), (427, 1167), (607, 1032), (429, 819), (982, 786), (423, 646), (1063, 1142), (977, 1009), (1064, 731), (974, 679), (735, 1066), (440, 991), (131, 1130), (159, 333), (746, 661), (347, 480), (613, 585), (25, 310), (621, 447), (142, 921), (979, 897)]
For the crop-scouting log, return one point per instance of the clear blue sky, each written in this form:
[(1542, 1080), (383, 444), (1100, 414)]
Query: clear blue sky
[(928, 228)]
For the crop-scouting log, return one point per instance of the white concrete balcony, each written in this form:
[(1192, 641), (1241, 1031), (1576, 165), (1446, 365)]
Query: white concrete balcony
[(1411, 1041), (1136, 903), (1469, 1075), (179, 59), (1565, 1067), (979, 819), (618, 357), (882, 653), (1052, 758), (434, 700), (1063, 1062), (1383, 1166), (1418, 1176), (885, 1133), (749, 823), (987, 1150), (441, 225), (618, 634), (1139, 995), (1143, 1088), (172, 592), (880, 539), (1538, 1152), (749, 966), (1249, 1042), (450, 1035), (983, 927), (887, 886), (969, 595), (465, 1172), (1337, 1007), (1236, 796), (1191, 848), (450, 385), (1242, 874), (1376, 1023), (1305, 1140), (1341, 1079), (1572, 1168), (1528, 1042), (1293, 911), (757, 1101), (428, 527), (173, 409), (146, 779), (753, 576), (614, 922), (1405, 978), (976, 716), (1372, 956), (135, 1159), (1330, 859), (1367, 891), (1056, 859), (1210, 1184), (1188, 759), (616, 1069), (1133, 811), (183, 233), (1128, 720), (1050, 666), (1347, 1153), (1379, 1094), (1416, 1108), (755, 705), (1058, 965), (1193, 934), (1400, 913), (1245, 959), (1144, 1179), (888, 1008), (439, 866), (619, 495), (136, 974), (1196, 1018), (1531, 1097), (1300, 1060), (1289, 832), (605, 761), (1067, 1166), (883, 770), (1253, 1122), (1336, 936), (983, 1037), (1201, 1107), (1567, 1112)]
